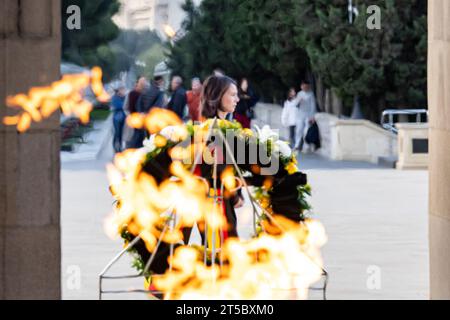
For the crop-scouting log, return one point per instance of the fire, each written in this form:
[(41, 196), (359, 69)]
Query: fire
[(280, 264), (155, 121), (228, 178), (142, 201), (41, 102), (268, 267)]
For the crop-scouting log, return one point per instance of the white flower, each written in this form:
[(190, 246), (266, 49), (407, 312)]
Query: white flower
[(149, 144), (284, 148), (174, 133), (266, 133)]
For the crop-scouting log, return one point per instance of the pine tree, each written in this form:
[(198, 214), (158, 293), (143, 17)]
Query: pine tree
[(385, 68), (276, 43), (252, 39), (133, 45), (89, 45)]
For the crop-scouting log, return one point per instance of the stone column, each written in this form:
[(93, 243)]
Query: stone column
[(30, 250), (439, 107)]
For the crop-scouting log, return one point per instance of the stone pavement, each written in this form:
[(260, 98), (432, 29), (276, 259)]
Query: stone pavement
[(95, 143), (375, 218)]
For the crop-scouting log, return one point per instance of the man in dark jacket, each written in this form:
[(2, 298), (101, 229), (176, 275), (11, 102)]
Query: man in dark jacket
[(152, 97), (178, 100)]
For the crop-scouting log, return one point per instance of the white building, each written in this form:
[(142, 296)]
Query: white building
[(151, 14)]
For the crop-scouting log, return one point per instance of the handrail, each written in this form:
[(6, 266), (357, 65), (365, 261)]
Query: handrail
[(390, 113)]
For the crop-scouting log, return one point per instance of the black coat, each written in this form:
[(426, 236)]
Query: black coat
[(247, 100), (178, 102), (152, 97)]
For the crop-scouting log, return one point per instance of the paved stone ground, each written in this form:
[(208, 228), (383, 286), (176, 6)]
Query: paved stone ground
[(376, 221)]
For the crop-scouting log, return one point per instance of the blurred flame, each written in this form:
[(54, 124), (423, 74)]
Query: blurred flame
[(42, 102), (136, 120), (228, 178), (156, 120), (168, 30), (267, 267), (281, 264), (143, 201)]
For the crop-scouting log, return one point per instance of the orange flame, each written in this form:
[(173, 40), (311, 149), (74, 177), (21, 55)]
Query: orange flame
[(42, 102), (143, 201), (228, 178), (156, 120), (283, 263), (267, 267)]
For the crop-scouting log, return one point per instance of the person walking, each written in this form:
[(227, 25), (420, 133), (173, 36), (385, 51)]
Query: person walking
[(247, 100), (193, 100), (177, 102), (306, 111), (150, 98), (153, 96), (289, 115), (130, 106), (117, 102), (133, 96)]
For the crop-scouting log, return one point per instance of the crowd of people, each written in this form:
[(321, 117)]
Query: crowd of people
[(298, 111), (218, 97), (185, 103)]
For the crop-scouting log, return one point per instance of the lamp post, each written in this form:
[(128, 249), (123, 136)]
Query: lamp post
[(352, 10), (356, 112)]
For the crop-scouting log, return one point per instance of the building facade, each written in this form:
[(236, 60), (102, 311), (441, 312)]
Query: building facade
[(151, 15)]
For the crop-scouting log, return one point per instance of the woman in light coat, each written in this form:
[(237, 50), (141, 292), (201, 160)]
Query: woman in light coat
[(290, 114)]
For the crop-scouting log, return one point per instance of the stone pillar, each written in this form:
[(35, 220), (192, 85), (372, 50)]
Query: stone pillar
[(30, 250), (439, 107)]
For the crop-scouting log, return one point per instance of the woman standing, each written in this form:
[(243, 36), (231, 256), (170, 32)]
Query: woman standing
[(219, 98), (247, 100), (289, 115)]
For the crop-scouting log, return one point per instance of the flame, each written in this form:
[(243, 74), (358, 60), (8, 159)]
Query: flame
[(228, 178), (156, 120), (143, 201), (135, 120), (267, 267), (168, 30), (281, 264), (41, 102)]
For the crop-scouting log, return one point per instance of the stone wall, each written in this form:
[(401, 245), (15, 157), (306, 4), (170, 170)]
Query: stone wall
[(30, 257), (439, 161), (360, 140), (270, 114), (353, 140)]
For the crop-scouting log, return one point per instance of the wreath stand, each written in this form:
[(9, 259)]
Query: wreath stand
[(210, 235)]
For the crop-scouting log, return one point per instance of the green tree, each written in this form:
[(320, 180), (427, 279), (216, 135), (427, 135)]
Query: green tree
[(253, 39), (132, 46), (276, 43), (385, 67), (88, 46)]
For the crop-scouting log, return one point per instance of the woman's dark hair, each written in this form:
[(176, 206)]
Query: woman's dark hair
[(212, 92), (289, 91)]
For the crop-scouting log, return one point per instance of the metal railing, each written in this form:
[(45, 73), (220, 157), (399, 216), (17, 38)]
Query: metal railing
[(388, 120)]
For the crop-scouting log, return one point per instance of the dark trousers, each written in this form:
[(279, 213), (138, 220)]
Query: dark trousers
[(137, 139), (119, 122), (292, 135)]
